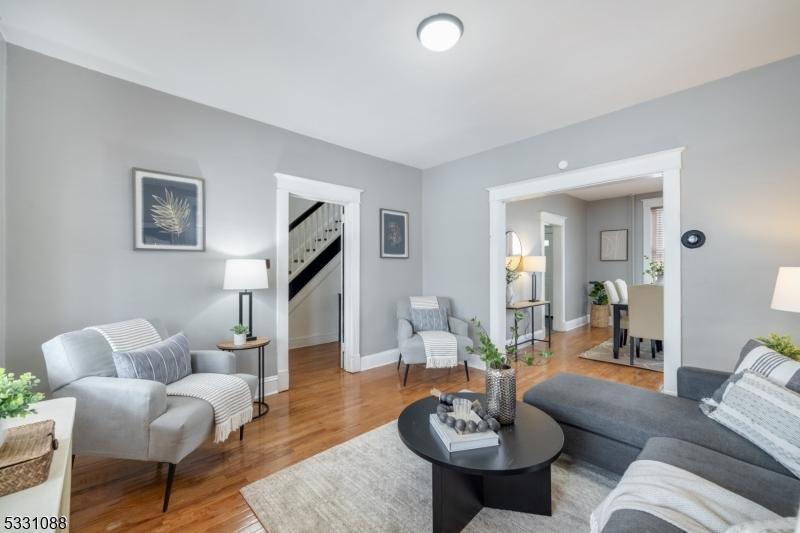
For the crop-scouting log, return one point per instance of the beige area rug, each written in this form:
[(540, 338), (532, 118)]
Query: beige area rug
[(373, 483), (605, 352)]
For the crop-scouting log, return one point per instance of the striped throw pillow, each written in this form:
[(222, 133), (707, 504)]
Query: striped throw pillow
[(774, 366), (763, 412), (166, 361)]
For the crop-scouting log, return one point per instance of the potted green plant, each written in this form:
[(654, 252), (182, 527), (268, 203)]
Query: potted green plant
[(501, 380), (239, 335), (655, 269), (16, 397), (781, 344), (599, 298)]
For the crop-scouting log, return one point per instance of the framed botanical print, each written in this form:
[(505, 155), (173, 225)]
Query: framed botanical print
[(394, 234), (168, 211), (614, 245)]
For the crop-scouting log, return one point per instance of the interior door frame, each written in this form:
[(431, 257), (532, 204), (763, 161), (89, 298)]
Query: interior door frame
[(350, 199), (559, 268), (666, 165)]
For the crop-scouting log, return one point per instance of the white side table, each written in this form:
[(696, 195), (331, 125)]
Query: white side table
[(51, 498)]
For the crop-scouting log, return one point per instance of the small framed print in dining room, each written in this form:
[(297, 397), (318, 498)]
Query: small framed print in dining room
[(394, 234), (168, 211), (614, 245)]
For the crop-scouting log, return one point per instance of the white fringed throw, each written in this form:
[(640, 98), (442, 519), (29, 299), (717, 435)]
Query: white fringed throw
[(129, 335), (685, 500), (229, 396), (441, 349)]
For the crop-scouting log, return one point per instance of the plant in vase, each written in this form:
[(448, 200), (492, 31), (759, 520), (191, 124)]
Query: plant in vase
[(501, 379), (239, 334), (16, 397), (655, 269), (511, 277), (599, 298)]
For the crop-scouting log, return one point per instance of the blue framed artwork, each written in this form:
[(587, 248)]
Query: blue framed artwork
[(394, 234), (169, 211)]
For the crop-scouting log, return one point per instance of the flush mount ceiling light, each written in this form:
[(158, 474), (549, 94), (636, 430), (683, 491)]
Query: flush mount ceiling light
[(440, 32)]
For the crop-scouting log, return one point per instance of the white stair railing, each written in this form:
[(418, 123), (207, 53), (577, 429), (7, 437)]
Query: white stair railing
[(309, 238)]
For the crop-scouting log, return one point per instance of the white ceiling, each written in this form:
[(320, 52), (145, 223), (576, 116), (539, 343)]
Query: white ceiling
[(620, 188), (353, 73)]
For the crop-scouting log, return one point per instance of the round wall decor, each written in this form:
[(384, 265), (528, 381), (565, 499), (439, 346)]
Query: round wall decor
[(693, 238)]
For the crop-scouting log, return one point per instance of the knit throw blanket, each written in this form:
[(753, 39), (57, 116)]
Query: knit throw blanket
[(229, 396), (683, 499), (430, 322)]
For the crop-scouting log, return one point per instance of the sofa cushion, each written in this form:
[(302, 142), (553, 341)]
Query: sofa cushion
[(166, 361), (75, 355), (776, 492), (632, 415)]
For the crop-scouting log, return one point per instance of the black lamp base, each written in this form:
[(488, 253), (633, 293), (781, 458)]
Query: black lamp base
[(249, 295)]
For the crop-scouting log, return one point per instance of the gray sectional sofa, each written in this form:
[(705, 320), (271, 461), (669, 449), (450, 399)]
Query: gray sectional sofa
[(611, 425)]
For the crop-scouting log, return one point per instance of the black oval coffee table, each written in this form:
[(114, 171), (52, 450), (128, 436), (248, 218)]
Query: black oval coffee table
[(514, 475)]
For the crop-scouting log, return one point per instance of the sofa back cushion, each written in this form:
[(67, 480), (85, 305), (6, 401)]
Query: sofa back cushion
[(166, 361), (76, 355)]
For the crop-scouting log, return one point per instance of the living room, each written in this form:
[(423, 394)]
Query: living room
[(153, 160)]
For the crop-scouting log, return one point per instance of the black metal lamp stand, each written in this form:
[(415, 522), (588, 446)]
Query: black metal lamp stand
[(533, 286), (249, 295)]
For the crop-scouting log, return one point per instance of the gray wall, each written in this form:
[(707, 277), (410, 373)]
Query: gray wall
[(524, 217), (608, 214), (73, 137), (740, 184), (2, 201)]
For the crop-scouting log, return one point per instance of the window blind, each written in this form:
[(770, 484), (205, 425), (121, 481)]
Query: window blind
[(657, 238)]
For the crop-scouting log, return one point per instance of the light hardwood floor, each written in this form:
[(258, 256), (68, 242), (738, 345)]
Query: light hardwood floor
[(325, 406)]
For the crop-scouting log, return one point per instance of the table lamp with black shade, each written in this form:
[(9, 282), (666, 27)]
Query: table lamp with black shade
[(533, 264), (246, 275)]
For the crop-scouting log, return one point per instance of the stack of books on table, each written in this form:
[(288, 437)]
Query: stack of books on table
[(458, 442)]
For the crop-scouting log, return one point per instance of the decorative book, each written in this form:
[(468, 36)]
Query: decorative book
[(457, 442)]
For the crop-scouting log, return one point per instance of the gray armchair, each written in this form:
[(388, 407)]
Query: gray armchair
[(412, 351), (131, 418)]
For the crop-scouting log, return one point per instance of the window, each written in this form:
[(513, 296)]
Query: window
[(657, 234)]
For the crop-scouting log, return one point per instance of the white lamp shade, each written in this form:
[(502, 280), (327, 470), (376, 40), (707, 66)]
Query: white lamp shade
[(787, 290), (534, 263), (245, 274)]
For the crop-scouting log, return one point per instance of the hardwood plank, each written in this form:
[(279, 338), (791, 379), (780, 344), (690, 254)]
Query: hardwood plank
[(325, 407)]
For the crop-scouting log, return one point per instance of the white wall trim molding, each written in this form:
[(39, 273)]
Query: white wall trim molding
[(665, 164), (558, 307), (350, 198), (270, 385), (647, 231), (313, 340), (576, 323), (374, 360)]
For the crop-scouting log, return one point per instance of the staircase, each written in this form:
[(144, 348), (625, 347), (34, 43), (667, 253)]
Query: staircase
[(315, 238)]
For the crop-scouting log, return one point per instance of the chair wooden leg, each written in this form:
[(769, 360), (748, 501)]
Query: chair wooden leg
[(638, 347), (653, 348), (624, 337), (241, 432), (168, 491), (405, 376), (73, 459), (399, 360), (632, 348), (466, 369)]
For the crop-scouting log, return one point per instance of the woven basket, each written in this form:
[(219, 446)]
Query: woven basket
[(599, 316), (25, 456)]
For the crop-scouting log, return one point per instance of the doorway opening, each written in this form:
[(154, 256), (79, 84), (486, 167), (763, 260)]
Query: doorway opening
[(307, 261), (609, 246)]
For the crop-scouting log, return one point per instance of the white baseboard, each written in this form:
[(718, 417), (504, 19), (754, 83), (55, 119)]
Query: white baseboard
[(375, 360), (313, 340), (283, 380), (576, 323), (270, 385)]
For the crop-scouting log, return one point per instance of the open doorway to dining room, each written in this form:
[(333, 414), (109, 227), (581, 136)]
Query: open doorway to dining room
[(598, 251)]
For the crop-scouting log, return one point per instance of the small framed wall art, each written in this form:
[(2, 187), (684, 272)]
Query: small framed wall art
[(394, 234), (168, 211), (614, 245)]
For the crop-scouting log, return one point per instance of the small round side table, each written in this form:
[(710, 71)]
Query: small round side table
[(259, 343)]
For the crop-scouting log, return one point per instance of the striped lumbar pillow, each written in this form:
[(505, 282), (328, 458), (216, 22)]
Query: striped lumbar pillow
[(763, 412), (166, 361)]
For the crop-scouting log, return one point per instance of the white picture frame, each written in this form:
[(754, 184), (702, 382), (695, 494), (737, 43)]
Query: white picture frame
[(614, 245)]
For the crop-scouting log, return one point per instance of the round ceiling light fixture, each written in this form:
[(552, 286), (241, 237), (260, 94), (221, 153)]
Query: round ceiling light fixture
[(440, 32)]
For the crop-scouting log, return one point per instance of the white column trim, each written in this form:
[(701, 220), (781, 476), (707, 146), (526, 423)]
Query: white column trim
[(319, 191), (559, 283), (666, 165)]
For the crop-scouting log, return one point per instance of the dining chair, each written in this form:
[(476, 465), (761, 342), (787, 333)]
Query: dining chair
[(615, 297), (645, 317)]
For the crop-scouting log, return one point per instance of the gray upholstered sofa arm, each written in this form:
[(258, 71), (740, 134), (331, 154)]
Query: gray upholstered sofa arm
[(698, 383), (458, 326), (213, 362), (113, 414), (404, 330)]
